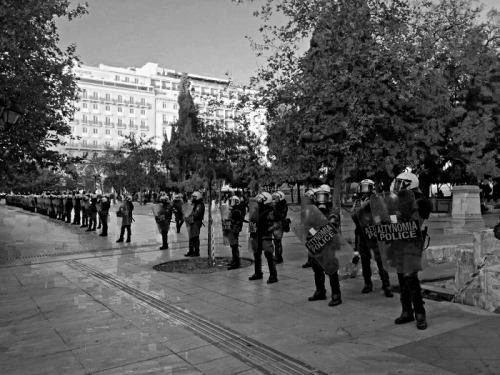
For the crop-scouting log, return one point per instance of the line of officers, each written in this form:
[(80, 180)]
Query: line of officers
[(89, 211)]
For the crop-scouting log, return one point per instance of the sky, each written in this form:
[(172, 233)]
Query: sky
[(204, 37)]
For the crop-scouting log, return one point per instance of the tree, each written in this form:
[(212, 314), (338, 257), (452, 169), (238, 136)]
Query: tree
[(36, 76), (374, 89), (135, 166)]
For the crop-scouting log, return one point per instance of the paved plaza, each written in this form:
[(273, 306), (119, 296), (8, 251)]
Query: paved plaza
[(76, 303)]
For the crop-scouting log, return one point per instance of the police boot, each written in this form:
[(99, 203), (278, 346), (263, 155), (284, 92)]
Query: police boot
[(367, 274), (89, 226), (319, 295), (164, 239), (335, 285), (278, 248), (191, 250), (386, 285), (235, 264), (273, 277), (417, 300), (196, 247), (405, 298), (129, 234), (257, 267)]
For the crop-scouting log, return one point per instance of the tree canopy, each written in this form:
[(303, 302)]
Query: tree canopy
[(383, 86), (35, 75)]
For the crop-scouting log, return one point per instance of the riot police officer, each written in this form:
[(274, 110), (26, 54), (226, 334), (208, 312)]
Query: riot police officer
[(103, 215), (163, 219), (194, 222), (178, 213), (266, 224), (411, 295), (322, 199), (233, 227), (281, 210), (364, 252)]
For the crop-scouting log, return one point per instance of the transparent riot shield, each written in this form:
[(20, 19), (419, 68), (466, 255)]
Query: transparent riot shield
[(363, 221), (397, 227), (253, 220), (160, 219), (187, 208), (322, 239), (225, 223)]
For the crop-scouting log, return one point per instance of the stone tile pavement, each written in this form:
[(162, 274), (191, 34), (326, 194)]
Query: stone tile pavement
[(75, 303)]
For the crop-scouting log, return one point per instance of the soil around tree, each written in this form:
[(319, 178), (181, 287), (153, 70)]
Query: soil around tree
[(199, 265)]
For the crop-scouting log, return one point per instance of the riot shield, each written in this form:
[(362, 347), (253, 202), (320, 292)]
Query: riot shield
[(253, 220), (160, 219), (226, 223), (397, 227), (320, 236), (363, 221)]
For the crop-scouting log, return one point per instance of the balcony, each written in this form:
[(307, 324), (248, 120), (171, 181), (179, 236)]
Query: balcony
[(109, 125), (133, 127), (146, 128)]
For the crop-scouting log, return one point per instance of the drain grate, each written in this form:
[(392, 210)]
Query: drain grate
[(255, 354)]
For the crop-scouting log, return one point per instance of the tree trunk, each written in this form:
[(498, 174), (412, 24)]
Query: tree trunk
[(210, 234), (298, 194), (337, 187)]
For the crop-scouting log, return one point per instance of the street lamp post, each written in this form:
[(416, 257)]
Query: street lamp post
[(9, 114)]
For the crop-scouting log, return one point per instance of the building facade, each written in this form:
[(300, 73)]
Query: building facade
[(115, 102)]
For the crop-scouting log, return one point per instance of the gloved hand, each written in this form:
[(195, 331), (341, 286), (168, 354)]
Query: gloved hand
[(355, 258)]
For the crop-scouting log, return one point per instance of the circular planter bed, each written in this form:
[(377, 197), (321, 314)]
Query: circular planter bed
[(199, 265)]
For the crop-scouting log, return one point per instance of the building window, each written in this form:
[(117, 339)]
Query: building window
[(131, 100), (95, 143), (120, 109), (117, 78), (107, 121), (143, 112), (175, 106), (95, 95), (72, 129), (164, 119), (143, 123), (84, 94), (127, 79), (136, 80), (132, 110), (107, 143), (84, 119), (85, 105), (143, 101), (108, 132), (119, 99), (108, 97), (84, 142), (131, 122), (120, 133), (84, 130), (95, 131), (95, 106), (120, 122), (108, 108), (164, 104), (95, 119)]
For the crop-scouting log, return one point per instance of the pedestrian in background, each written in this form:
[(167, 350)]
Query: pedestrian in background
[(125, 213)]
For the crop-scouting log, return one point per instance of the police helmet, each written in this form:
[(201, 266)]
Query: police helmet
[(234, 200), (366, 186), (406, 181), (279, 196), (196, 196), (265, 198)]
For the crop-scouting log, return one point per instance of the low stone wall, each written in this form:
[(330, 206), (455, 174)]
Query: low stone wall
[(478, 272)]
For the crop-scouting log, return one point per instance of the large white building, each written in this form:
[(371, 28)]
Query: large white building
[(116, 101)]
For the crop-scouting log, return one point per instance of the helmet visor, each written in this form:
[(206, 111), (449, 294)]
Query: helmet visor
[(400, 184), (366, 188), (322, 197)]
